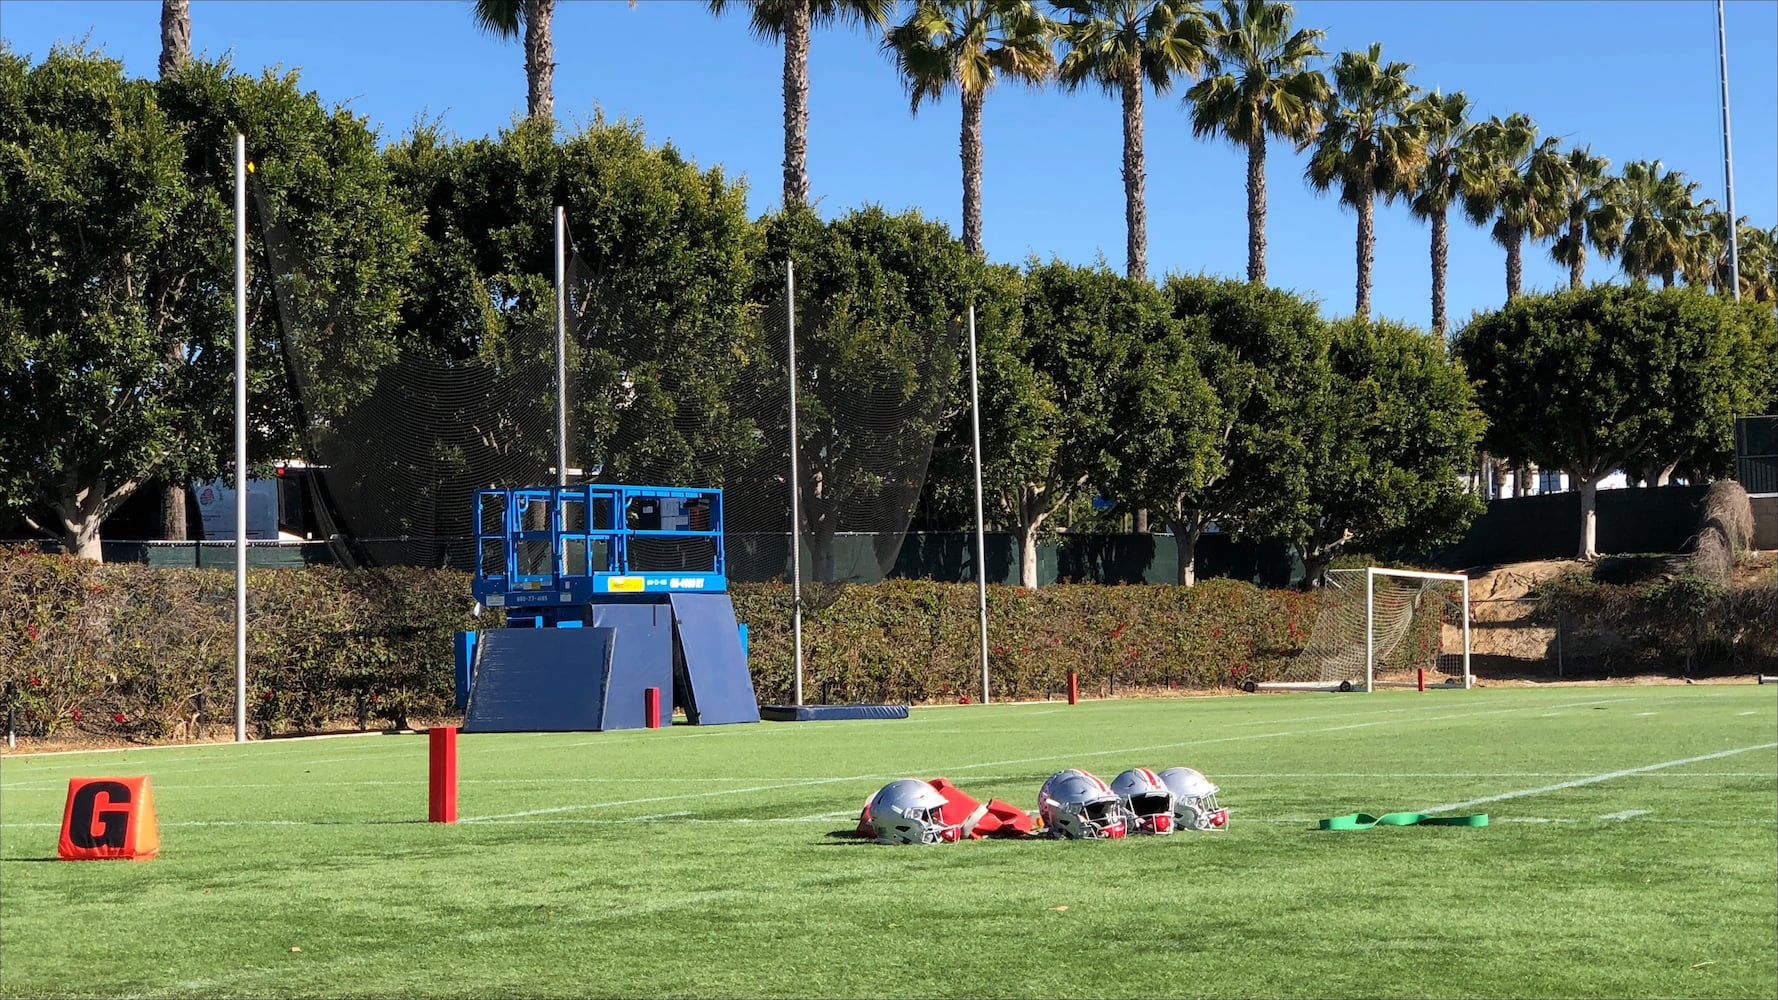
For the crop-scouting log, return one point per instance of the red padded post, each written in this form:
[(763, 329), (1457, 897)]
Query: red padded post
[(651, 707), (1073, 688), (442, 802), (1422, 678)]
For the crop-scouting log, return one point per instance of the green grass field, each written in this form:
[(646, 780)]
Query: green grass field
[(1632, 852)]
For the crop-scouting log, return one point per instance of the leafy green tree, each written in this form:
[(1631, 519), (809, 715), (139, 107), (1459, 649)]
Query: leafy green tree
[(1625, 377), (1516, 181), (1258, 82), (91, 190), (117, 264), (791, 21), (532, 18), (1050, 390), (1369, 145), (1401, 428), (1123, 46), (657, 314), (1219, 414), (880, 302), (1445, 131), (1590, 222), (969, 45)]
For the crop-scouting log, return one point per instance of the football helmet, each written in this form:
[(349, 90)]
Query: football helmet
[(1146, 800), (910, 811), (1194, 800), (1075, 805)]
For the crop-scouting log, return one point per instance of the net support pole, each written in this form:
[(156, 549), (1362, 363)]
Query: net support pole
[(981, 543), (561, 346), (240, 438), (1370, 627), (1728, 166), (796, 516), (1468, 678)]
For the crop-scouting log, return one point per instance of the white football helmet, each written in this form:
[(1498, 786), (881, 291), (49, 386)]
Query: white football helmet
[(1146, 800), (1075, 805), (1194, 800), (910, 811)]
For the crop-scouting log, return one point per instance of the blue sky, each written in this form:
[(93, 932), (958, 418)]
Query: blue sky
[(1634, 80)]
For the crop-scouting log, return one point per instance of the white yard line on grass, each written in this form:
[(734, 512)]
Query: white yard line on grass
[(1067, 755), (1595, 779)]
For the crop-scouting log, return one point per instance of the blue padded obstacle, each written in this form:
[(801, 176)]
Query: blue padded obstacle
[(830, 713), (541, 680), (715, 687), (641, 564)]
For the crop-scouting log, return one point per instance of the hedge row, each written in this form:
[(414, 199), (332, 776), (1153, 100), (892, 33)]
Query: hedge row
[(135, 651)]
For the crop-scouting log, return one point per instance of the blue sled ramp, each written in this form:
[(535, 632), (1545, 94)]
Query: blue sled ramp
[(710, 670), (540, 680)]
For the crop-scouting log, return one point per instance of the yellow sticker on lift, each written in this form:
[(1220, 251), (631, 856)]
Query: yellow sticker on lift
[(624, 584)]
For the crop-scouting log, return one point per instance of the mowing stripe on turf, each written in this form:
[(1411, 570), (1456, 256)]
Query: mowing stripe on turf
[(1595, 779)]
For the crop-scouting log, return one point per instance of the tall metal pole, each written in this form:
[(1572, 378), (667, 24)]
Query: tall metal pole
[(981, 544), (240, 438), (796, 516), (1728, 165), (561, 346)]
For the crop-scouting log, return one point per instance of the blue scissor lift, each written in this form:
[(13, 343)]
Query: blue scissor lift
[(608, 591)]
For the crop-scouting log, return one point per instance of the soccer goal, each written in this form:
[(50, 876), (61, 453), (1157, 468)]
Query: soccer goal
[(1384, 628)]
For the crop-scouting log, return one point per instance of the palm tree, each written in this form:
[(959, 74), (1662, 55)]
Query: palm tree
[(1369, 145), (1592, 220), (510, 19), (1444, 132), (1759, 263), (791, 21), (175, 35), (1516, 181), (1261, 84), (1121, 45), (969, 45), (1657, 206)]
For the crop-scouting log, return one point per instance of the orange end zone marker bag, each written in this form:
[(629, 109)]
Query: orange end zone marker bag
[(108, 818)]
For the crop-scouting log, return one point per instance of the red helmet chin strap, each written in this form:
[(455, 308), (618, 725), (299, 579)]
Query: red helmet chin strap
[(1161, 822), (1219, 818), (950, 834)]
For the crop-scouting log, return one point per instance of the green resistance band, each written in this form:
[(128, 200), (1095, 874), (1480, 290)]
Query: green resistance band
[(1364, 821)]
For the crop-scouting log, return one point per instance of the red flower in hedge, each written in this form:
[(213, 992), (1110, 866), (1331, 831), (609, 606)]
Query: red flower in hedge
[(117, 717), (266, 693), (963, 700), (36, 682), (76, 715), (32, 632)]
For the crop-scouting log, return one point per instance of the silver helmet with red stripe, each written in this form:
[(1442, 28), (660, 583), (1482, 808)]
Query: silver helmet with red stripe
[(1194, 800), (1146, 800), (910, 811), (1076, 805)]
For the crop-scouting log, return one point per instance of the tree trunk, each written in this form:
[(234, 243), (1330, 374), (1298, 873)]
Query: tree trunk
[(972, 171), (1667, 278), (1515, 263), (1367, 250), (1028, 555), (173, 526), (1185, 537), (175, 35), (1256, 208), (1135, 206), (1577, 267), (1441, 260), (1139, 522), (540, 56), (796, 103), (1589, 519)]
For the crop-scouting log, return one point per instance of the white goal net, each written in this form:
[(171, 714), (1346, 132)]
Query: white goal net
[(1384, 628)]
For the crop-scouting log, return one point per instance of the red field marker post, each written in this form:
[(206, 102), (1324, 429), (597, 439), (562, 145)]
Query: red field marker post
[(1422, 678), (651, 707), (442, 803), (1073, 688)]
